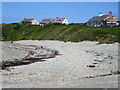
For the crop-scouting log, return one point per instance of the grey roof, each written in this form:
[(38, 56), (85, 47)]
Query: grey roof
[(53, 20), (98, 18), (28, 20)]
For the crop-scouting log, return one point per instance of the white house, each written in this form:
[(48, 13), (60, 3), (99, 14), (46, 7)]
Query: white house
[(54, 20), (118, 23), (30, 21), (103, 20)]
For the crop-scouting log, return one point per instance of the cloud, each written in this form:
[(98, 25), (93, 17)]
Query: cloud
[(71, 6)]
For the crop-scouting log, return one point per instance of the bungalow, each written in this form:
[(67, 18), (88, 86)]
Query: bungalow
[(30, 21), (54, 20), (103, 20)]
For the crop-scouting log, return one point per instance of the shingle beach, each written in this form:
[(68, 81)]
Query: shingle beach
[(77, 65)]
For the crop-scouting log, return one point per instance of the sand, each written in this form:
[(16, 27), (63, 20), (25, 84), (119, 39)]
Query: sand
[(10, 51), (68, 70)]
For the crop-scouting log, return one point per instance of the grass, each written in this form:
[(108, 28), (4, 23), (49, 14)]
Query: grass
[(72, 32)]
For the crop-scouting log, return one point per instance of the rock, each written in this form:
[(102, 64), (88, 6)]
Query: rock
[(115, 72), (95, 63), (118, 72), (92, 66), (87, 51)]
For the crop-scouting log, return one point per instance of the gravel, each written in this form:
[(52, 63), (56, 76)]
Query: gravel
[(69, 69)]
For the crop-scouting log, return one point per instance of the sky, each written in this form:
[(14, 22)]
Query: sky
[(60, 0), (75, 12)]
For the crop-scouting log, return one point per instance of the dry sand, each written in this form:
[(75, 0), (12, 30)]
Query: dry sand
[(68, 70)]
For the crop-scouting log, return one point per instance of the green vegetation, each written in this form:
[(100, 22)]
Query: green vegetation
[(72, 32)]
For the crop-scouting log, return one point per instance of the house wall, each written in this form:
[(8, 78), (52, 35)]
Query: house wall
[(65, 22), (119, 24), (57, 21), (95, 24), (112, 24), (35, 22), (103, 24), (111, 18)]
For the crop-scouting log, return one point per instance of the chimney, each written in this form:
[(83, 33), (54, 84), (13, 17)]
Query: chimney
[(100, 14), (110, 13)]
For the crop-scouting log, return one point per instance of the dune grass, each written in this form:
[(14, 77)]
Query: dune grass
[(72, 32)]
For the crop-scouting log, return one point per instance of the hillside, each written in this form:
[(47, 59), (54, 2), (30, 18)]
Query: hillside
[(72, 32)]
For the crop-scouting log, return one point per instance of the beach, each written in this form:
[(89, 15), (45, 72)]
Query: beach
[(84, 64)]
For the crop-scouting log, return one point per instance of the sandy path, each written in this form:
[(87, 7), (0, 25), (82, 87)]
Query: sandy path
[(68, 69)]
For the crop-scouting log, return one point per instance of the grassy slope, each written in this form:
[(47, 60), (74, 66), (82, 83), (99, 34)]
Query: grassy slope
[(73, 32)]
